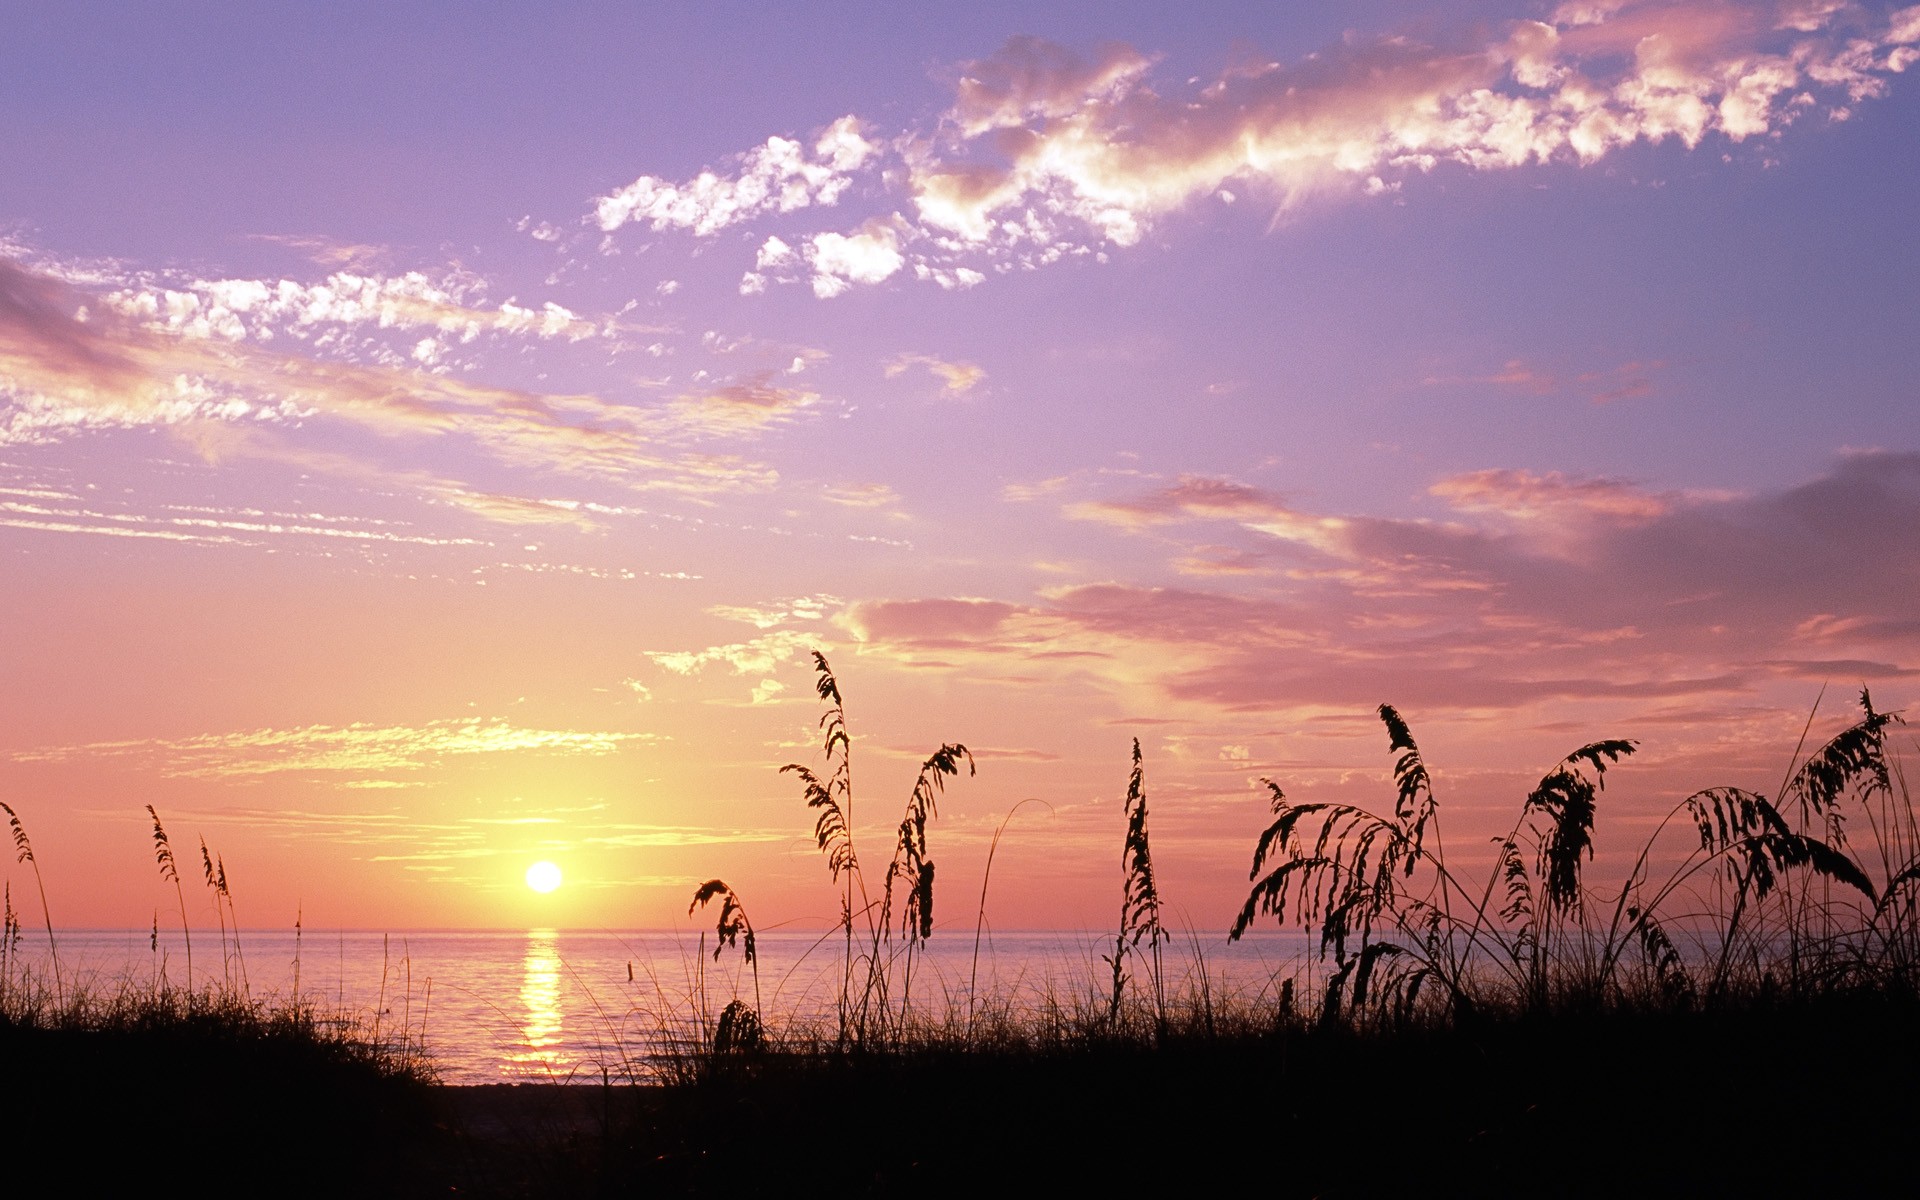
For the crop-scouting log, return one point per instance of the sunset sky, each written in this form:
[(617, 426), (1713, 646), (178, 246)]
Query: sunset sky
[(433, 437)]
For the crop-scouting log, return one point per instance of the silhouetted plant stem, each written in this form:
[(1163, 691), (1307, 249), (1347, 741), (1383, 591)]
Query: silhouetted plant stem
[(1139, 900), (23, 853), (980, 916), (832, 798), (169, 872), (733, 927)]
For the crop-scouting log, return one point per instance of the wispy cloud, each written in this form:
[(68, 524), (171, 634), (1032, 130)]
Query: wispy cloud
[(861, 495), (328, 252), (1625, 381), (251, 528), (756, 656), (745, 406), (69, 366), (1527, 495), (956, 378), (357, 749)]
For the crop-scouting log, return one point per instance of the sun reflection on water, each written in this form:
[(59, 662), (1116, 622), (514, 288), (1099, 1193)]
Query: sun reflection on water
[(540, 1025)]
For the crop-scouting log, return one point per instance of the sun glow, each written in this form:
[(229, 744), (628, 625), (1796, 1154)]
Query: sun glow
[(543, 877)]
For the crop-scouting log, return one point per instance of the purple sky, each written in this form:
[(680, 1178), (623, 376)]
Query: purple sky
[(433, 437)]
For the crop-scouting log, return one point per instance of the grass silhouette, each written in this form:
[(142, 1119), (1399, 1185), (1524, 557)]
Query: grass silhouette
[(1393, 919), (866, 1015)]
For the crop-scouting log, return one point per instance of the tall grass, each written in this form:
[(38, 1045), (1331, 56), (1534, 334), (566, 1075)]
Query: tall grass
[(23, 853), (1770, 895), (732, 928), (866, 995), (1814, 891), (1809, 891), (1139, 902), (220, 1007), (170, 873)]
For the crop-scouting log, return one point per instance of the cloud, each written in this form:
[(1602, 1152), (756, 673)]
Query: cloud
[(1093, 143), (778, 612), (1201, 498), (1033, 78), (862, 495), (757, 656), (957, 379), (69, 365), (41, 339), (867, 256), (1046, 154), (1223, 560), (327, 314), (925, 623), (1526, 495), (780, 175), (1626, 381), (745, 406), (336, 748), (1022, 493), (327, 252), (242, 528), (1658, 596)]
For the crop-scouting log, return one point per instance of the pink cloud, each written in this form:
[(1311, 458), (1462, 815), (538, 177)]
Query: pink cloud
[(1626, 381), (1090, 143), (1046, 154), (71, 364), (923, 623), (1527, 495), (1660, 597)]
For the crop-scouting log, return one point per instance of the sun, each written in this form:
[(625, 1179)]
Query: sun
[(543, 877)]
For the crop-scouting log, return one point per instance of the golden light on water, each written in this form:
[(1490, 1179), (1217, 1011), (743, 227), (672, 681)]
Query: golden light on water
[(540, 1023), (543, 877)]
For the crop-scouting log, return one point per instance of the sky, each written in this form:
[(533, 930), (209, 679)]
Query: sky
[(437, 437)]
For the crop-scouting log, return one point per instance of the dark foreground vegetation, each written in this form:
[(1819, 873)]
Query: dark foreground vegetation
[(1767, 1097), (144, 1092), (1736, 1011), (1765, 1100)]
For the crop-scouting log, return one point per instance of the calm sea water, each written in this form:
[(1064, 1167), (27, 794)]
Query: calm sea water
[(564, 1005)]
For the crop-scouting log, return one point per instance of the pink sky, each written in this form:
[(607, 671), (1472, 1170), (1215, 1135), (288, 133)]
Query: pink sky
[(433, 440)]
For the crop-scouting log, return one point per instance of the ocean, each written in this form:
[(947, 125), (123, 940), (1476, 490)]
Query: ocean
[(582, 1005)]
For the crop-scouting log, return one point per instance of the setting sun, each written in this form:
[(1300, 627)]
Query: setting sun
[(543, 877)]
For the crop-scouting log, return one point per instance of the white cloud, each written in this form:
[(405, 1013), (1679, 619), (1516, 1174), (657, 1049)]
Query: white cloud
[(759, 656), (1043, 142), (259, 310), (774, 253), (867, 256), (778, 176), (1047, 155)]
